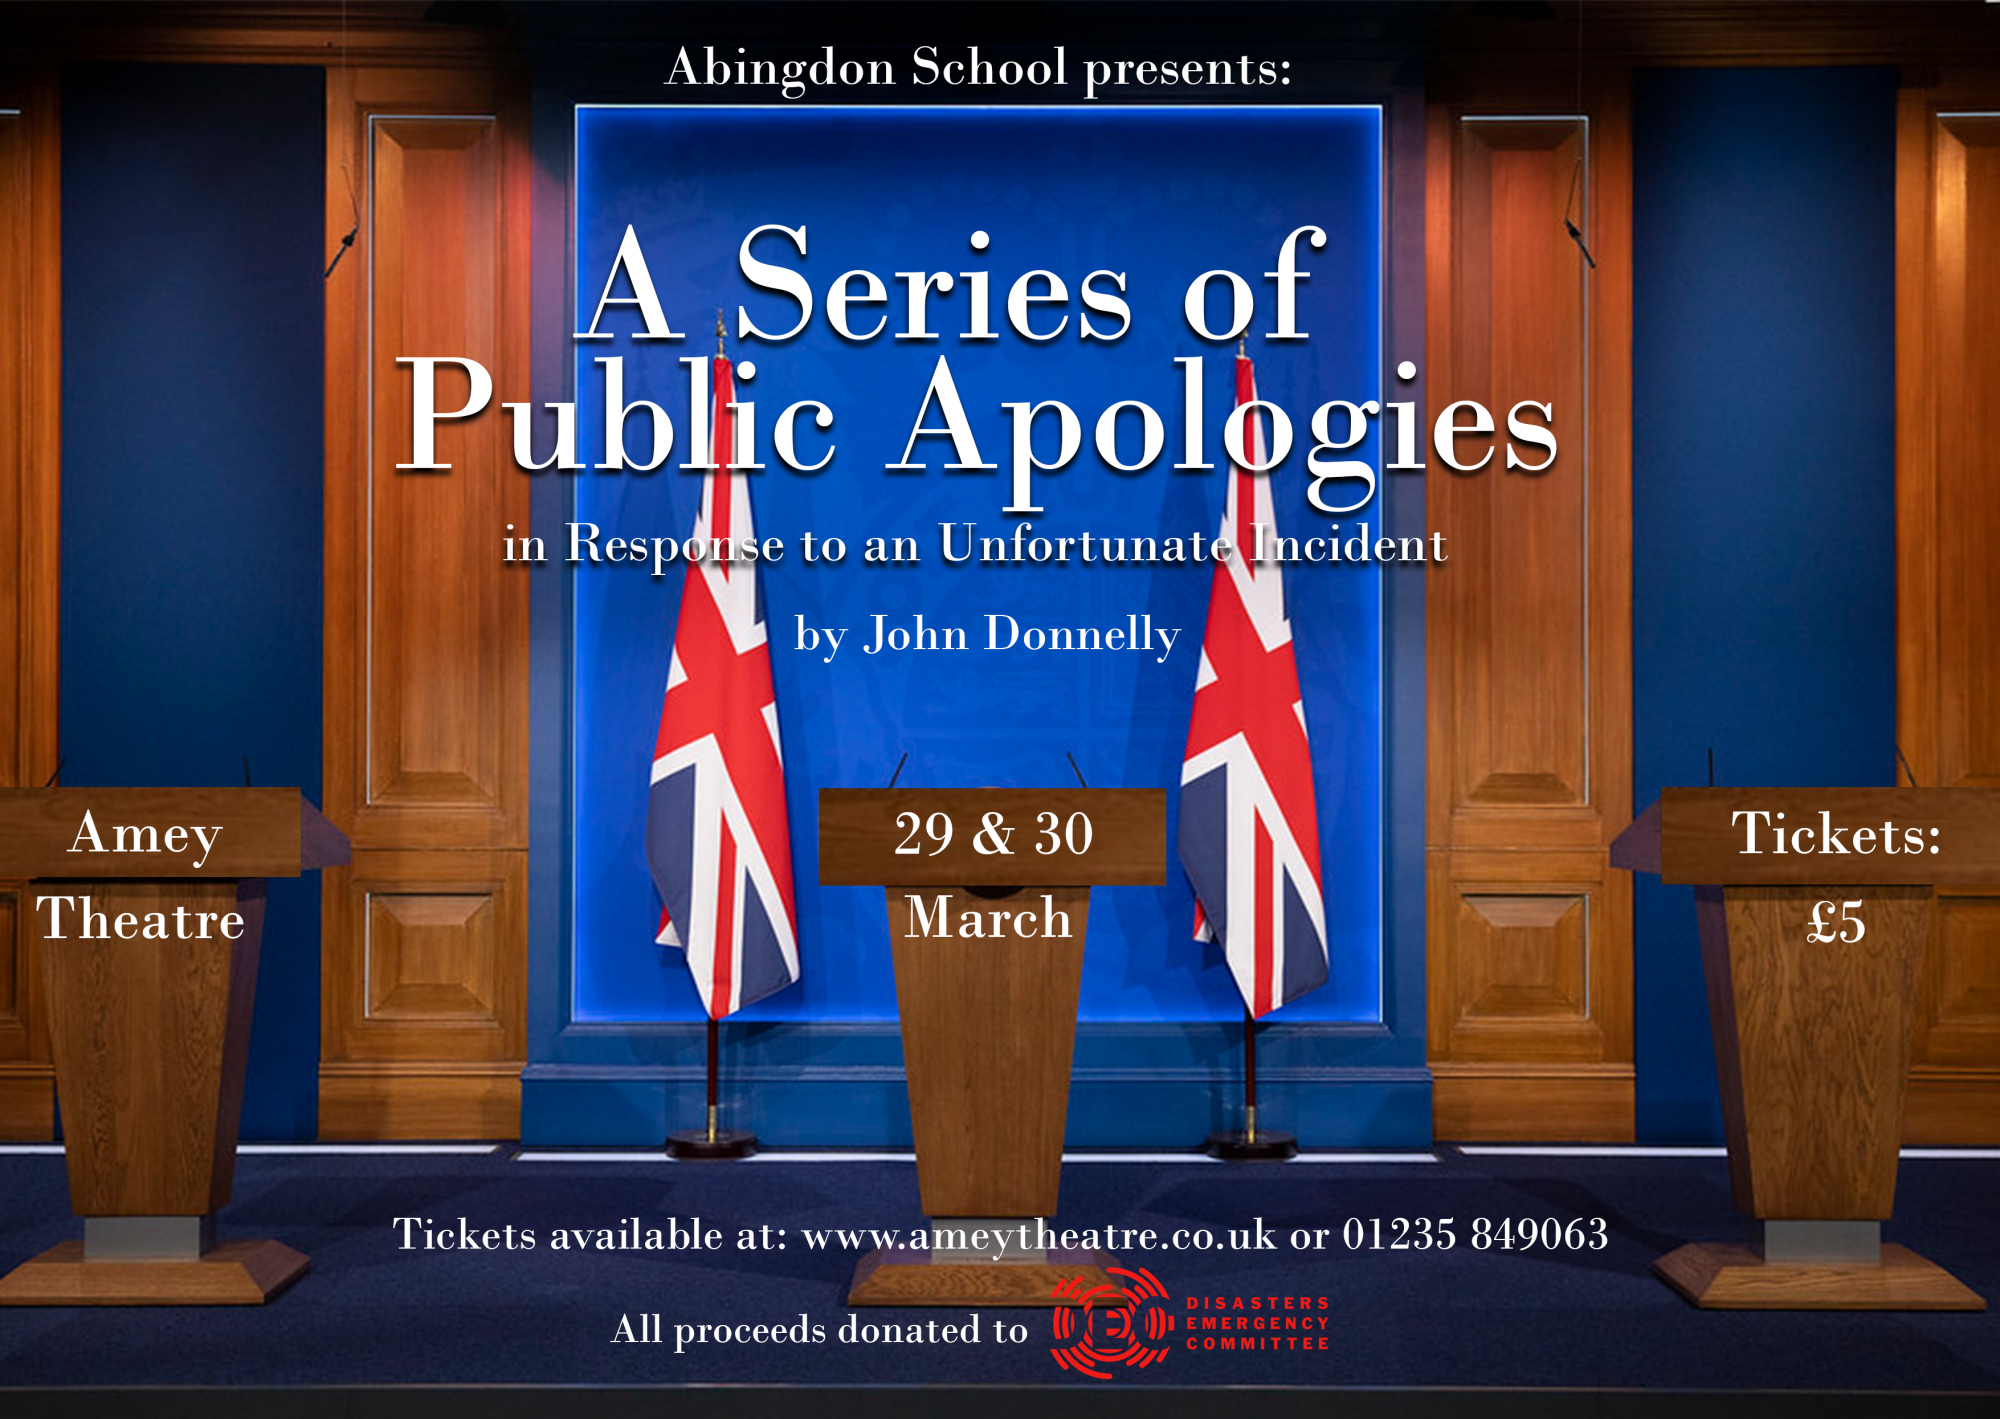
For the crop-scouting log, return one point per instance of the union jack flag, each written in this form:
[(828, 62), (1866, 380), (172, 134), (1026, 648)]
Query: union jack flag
[(1249, 827), (717, 836)]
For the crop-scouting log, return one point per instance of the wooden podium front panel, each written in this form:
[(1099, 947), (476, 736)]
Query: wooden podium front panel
[(1813, 1038), (150, 1131), (989, 1029)]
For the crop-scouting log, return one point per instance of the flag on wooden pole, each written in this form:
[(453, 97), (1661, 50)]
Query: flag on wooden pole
[(717, 835), (1249, 826)]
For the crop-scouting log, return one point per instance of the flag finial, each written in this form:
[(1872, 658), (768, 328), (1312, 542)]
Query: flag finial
[(1241, 353), (720, 330)]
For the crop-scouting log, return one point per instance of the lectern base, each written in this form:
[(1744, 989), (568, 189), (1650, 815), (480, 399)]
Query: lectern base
[(231, 1274), (905, 1276), (1719, 1276)]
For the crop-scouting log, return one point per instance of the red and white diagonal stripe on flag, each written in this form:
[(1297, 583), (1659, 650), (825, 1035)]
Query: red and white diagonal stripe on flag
[(1249, 826), (717, 835)]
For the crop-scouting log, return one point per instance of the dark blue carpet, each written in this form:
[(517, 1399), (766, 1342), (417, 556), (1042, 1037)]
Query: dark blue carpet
[(369, 1313)]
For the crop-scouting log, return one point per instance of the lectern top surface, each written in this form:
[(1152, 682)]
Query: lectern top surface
[(1810, 836), (111, 833), (978, 837)]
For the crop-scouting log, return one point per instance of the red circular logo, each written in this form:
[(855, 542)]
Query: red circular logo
[(1106, 1324)]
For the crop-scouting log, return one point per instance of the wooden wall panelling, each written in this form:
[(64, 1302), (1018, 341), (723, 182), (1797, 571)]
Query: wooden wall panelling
[(1948, 581), (430, 1025), (30, 501), (423, 1029), (364, 33), (1528, 626)]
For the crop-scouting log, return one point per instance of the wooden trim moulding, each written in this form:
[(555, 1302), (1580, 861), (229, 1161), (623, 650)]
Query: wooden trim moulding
[(1527, 1103), (1561, 1068), (374, 1100), (362, 33), (30, 532), (1954, 1097)]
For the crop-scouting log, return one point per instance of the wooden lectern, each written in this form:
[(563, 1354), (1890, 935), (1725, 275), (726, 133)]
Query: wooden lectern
[(988, 1019), (146, 910), (1812, 1022)]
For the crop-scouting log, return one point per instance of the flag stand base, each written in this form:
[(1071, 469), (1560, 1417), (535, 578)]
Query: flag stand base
[(1264, 1146), (698, 1145), (1250, 1144), (713, 1144)]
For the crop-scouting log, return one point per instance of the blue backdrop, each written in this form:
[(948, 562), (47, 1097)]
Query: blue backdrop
[(1763, 479), (1159, 195), (191, 524)]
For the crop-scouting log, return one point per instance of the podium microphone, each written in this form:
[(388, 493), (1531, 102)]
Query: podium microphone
[(1074, 769), (899, 769)]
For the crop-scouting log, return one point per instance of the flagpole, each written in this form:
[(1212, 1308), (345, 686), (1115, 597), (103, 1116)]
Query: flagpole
[(1250, 1144), (712, 1143), (1249, 1078), (714, 1068), (1216, 861)]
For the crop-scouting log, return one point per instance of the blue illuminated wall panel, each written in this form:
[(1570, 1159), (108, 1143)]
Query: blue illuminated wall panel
[(1160, 197)]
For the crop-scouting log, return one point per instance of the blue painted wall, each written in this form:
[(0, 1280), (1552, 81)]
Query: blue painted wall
[(191, 485), (1763, 468)]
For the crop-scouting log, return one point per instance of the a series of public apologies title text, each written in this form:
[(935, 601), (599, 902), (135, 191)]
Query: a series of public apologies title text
[(1041, 437)]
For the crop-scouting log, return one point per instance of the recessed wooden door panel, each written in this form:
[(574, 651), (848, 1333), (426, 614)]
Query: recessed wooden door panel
[(1958, 1001), (437, 669), (432, 956), (27, 1081), (1528, 624), (30, 497), (1948, 578), (13, 979), (1518, 539), (1967, 286), (433, 645), (424, 1000), (1528, 958), (19, 1023), (434, 930), (1520, 949)]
